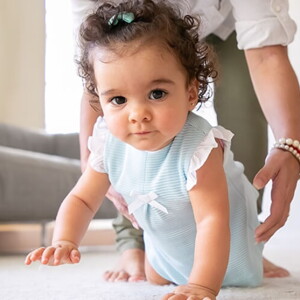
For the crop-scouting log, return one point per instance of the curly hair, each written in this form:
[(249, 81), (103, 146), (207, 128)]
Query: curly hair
[(159, 20)]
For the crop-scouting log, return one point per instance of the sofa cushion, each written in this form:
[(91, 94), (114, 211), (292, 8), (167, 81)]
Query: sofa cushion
[(33, 185), (26, 139)]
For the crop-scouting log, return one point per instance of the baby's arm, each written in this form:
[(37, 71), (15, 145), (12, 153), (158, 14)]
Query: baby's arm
[(210, 203), (209, 198), (73, 218)]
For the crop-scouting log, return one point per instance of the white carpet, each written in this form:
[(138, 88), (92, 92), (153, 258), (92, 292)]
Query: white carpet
[(84, 281)]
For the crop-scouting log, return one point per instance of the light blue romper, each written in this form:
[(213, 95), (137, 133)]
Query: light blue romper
[(155, 185)]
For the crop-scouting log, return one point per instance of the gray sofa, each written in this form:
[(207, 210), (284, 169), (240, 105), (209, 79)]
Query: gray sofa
[(37, 170)]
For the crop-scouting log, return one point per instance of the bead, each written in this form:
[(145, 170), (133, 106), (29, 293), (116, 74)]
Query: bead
[(296, 143), (278, 8), (281, 141), (289, 141)]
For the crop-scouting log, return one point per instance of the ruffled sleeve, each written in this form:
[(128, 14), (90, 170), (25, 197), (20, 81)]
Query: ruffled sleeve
[(203, 150), (96, 145)]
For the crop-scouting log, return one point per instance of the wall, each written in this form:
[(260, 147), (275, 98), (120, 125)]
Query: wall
[(22, 54)]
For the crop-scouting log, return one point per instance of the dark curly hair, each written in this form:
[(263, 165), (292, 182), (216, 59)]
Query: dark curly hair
[(158, 20)]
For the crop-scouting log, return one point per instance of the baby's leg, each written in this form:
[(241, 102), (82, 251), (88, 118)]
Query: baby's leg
[(152, 276)]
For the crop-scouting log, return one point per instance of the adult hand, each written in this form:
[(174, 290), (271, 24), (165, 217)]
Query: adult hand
[(121, 206), (58, 254), (190, 291), (283, 169)]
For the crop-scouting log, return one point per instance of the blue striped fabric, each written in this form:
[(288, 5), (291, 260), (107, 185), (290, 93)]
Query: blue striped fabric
[(170, 236)]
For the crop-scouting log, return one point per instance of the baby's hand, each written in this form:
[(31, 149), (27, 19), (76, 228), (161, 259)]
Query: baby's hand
[(190, 291), (61, 253)]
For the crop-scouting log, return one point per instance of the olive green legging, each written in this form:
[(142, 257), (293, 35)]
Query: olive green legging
[(238, 110)]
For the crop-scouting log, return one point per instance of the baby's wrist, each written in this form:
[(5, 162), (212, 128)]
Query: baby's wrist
[(210, 292), (197, 290), (62, 243)]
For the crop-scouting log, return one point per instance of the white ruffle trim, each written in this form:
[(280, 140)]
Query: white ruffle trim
[(96, 144), (203, 150)]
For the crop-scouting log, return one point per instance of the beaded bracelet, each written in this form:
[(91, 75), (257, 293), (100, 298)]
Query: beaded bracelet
[(288, 144)]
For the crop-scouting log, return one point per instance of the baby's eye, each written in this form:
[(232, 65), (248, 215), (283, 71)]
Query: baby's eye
[(157, 94), (118, 100)]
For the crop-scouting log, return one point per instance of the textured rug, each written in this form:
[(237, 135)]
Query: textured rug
[(84, 281)]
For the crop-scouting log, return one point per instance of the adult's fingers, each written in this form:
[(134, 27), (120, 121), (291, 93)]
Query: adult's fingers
[(284, 171)]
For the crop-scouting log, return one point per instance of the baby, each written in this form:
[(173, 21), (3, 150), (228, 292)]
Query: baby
[(146, 64)]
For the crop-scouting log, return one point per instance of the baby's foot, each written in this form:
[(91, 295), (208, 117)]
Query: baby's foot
[(131, 267), (272, 271)]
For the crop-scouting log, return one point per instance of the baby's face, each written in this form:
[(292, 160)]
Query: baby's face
[(144, 95)]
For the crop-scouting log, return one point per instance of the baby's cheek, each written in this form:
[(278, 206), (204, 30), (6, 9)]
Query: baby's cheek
[(117, 128)]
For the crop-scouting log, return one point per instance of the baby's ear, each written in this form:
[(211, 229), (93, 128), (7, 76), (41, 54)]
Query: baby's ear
[(193, 90)]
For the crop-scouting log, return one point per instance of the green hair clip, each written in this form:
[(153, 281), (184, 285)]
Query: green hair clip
[(127, 17)]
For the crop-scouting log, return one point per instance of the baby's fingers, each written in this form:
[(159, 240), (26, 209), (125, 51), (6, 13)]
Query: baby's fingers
[(65, 255), (48, 256), (60, 256), (34, 255), (75, 256), (172, 296), (53, 256)]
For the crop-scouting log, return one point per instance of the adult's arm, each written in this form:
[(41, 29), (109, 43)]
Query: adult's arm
[(278, 92), (88, 117)]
